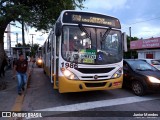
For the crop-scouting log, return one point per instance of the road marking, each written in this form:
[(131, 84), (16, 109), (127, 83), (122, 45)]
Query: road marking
[(18, 103), (102, 103), (20, 98), (95, 104)]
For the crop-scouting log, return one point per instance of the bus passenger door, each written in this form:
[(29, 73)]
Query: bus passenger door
[(56, 42), (56, 62)]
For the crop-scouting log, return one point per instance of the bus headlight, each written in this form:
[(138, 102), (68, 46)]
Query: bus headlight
[(39, 61), (68, 74), (153, 79), (117, 74)]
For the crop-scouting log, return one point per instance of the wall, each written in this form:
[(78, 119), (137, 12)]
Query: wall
[(157, 55), (142, 53)]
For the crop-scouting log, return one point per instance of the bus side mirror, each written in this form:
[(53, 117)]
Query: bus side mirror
[(58, 29), (124, 37)]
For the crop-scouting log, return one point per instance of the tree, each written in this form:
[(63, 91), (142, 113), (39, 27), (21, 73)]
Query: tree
[(20, 45), (130, 52), (34, 49), (40, 14)]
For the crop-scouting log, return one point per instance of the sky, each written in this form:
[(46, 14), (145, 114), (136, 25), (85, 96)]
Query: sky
[(143, 16)]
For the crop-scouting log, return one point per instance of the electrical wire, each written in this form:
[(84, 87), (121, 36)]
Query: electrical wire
[(142, 21)]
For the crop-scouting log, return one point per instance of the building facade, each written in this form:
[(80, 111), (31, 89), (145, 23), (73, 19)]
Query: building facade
[(147, 48)]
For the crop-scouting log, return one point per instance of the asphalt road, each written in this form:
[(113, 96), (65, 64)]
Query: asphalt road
[(119, 104)]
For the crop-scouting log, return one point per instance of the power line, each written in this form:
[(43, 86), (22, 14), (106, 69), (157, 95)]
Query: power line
[(142, 21), (145, 20)]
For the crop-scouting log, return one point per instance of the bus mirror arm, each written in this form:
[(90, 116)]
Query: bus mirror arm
[(124, 38), (83, 30), (57, 57), (58, 29)]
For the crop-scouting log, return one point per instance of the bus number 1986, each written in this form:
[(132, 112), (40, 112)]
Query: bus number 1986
[(69, 65)]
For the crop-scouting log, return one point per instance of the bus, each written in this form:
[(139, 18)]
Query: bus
[(84, 52), (39, 61), (39, 52)]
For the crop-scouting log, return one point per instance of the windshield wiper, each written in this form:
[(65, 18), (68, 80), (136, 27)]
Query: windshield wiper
[(143, 69), (104, 36), (139, 69), (148, 69), (84, 30)]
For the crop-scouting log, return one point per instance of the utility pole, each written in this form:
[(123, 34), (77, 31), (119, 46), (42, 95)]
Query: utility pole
[(32, 45), (9, 38), (23, 40), (130, 39), (10, 45), (32, 39), (17, 39)]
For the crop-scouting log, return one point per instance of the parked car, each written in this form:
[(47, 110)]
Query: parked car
[(154, 62), (140, 76)]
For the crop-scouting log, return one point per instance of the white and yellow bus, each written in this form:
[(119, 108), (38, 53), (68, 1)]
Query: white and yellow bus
[(84, 52)]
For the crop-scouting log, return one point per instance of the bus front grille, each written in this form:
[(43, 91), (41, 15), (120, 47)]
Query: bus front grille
[(95, 70), (91, 78)]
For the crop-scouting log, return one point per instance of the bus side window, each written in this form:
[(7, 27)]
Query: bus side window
[(57, 46)]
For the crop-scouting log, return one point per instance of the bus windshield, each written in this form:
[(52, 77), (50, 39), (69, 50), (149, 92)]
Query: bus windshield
[(90, 45)]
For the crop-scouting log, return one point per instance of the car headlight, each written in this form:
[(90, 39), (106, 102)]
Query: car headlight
[(39, 61), (68, 74), (117, 74), (153, 79)]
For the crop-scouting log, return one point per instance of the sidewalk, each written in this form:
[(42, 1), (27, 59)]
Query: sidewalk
[(8, 95), (9, 98)]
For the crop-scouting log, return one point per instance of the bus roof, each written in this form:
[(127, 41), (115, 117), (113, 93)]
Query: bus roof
[(89, 18)]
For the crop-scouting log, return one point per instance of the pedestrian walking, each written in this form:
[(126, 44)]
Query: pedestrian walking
[(33, 61), (14, 62), (9, 63), (21, 69), (2, 68), (30, 64)]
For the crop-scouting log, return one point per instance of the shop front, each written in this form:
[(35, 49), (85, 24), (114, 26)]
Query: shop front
[(147, 48)]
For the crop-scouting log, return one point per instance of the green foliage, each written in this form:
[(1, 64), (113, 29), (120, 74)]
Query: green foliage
[(20, 45), (33, 49), (130, 53), (40, 14)]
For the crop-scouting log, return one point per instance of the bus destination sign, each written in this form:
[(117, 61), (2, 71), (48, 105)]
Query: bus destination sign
[(91, 19)]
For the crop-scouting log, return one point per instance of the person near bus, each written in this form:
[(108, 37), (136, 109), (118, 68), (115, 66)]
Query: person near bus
[(87, 46), (21, 69), (2, 68), (33, 60)]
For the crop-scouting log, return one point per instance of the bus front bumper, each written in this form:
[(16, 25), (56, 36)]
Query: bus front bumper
[(66, 85)]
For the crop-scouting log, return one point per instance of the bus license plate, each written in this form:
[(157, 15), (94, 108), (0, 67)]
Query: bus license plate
[(88, 60)]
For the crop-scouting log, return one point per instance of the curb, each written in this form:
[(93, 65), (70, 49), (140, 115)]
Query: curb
[(17, 107), (19, 100)]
